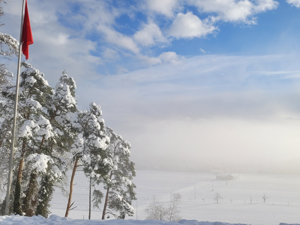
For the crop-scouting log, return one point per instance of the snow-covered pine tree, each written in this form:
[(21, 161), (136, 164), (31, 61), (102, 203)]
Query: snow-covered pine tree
[(37, 164), (62, 115), (46, 127), (119, 188), (35, 88), (8, 48), (33, 91), (44, 197), (5, 142), (30, 200), (6, 113), (96, 160)]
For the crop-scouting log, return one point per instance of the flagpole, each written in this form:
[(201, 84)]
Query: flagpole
[(15, 118)]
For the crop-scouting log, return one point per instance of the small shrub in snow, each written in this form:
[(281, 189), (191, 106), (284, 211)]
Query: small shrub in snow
[(156, 211), (217, 197)]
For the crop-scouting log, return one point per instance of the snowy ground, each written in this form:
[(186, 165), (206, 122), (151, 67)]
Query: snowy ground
[(55, 220), (197, 203)]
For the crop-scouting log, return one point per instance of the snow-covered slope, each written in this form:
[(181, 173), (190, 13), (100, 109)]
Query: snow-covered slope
[(56, 220), (197, 192)]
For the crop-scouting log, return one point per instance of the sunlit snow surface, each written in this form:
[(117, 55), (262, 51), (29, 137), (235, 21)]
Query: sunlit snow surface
[(197, 203), (55, 220)]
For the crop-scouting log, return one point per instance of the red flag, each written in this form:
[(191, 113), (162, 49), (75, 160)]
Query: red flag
[(26, 34)]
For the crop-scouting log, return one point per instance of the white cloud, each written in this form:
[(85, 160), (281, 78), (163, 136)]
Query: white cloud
[(202, 88), (189, 26), (233, 10), (264, 5), (110, 54), (294, 2), (149, 35), (202, 50), (55, 47), (165, 57), (122, 70), (150, 60), (165, 7), (94, 12), (169, 57), (121, 40)]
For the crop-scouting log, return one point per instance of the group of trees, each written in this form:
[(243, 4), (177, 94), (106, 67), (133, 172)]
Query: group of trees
[(54, 136)]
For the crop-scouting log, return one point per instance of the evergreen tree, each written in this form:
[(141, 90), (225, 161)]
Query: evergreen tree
[(119, 188), (30, 200), (96, 160), (46, 127), (8, 48), (62, 114), (33, 90), (44, 197)]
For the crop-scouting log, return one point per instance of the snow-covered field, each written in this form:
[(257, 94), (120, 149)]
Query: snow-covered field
[(197, 203), (55, 220)]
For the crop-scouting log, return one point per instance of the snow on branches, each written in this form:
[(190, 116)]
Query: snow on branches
[(54, 136), (39, 162), (11, 43)]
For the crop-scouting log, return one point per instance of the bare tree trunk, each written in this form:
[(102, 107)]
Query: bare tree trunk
[(71, 187), (90, 198), (105, 204), (20, 170), (21, 164), (17, 195), (106, 199)]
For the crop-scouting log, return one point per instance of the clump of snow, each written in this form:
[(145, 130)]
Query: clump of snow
[(56, 172), (108, 162), (77, 146), (45, 128), (37, 74), (7, 73), (126, 181), (98, 142), (64, 96), (33, 103), (10, 41), (30, 80), (96, 109), (86, 158), (26, 129), (39, 162)]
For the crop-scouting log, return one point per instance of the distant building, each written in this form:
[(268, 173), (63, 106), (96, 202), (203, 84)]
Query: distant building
[(225, 176)]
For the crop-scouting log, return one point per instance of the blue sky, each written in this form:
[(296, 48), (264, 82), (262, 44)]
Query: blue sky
[(185, 81), (244, 28)]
